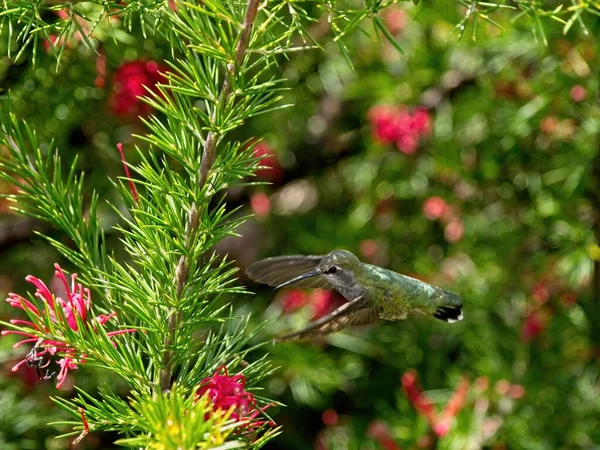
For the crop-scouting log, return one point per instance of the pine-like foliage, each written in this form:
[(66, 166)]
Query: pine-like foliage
[(154, 314), (170, 326)]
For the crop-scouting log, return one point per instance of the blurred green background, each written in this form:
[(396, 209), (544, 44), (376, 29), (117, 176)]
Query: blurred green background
[(471, 164)]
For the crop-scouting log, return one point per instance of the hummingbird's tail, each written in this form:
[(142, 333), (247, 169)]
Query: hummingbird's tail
[(452, 309)]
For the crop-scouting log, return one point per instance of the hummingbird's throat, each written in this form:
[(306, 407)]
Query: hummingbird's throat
[(345, 282)]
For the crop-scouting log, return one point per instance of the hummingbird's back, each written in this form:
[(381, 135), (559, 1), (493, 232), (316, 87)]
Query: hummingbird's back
[(398, 295)]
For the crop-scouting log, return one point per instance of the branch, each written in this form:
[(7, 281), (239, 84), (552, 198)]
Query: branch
[(208, 158)]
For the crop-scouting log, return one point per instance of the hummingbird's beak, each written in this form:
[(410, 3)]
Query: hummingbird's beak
[(312, 273)]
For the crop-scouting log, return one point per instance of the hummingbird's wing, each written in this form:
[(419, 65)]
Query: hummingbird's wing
[(355, 312), (279, 269)]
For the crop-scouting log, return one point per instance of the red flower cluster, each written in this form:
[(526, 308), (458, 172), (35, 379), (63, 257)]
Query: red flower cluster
[(130, 83), (397, 125), (439, 424), (322, 301), (271, 170), (436, 208), (227, 393), (73, 312)]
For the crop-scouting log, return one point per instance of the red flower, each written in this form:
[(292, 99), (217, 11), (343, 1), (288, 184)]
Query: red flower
[(434, 208), (416, 396), (439, 424), (270, 170), (383, 122), (330, 417), (381, 433), (130, 83), (421, 121), (391, 125), (454, 405), (534, 324), (227, 393), (293, 300), (74, 311), (322, 301)]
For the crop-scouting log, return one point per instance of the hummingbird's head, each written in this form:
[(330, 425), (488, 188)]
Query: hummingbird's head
[(338, 260), (337, 267)]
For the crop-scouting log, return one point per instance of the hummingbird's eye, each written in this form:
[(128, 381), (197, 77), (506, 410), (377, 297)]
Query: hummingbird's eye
[(332, 269)]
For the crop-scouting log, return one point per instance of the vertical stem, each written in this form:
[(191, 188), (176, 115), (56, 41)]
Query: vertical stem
[(182, 272)]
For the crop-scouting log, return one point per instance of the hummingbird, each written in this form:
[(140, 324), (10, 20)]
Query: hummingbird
[(372, 291)]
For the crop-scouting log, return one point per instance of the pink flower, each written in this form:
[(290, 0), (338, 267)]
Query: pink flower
[(434, 208), (578, 93), (130, 82), (516, 391), (482, 383), (271, 170), (369, 249), (395, 19), (454, 231), (73, 312), (227, 393), (261, 204), (407, 143)]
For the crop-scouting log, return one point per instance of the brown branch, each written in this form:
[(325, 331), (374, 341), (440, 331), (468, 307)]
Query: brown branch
[(182, 272)]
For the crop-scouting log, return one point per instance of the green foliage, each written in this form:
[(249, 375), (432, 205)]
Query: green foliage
[(522, 189), (164, 281)]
